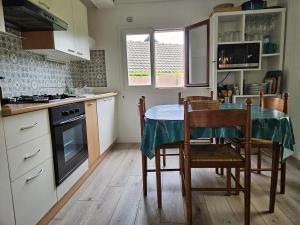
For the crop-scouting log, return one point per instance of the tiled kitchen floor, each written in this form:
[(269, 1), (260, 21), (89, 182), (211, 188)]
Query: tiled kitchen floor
[(112, 195)]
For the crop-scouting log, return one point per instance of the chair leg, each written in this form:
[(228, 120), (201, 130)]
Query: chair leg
[(274, 176), (158, 177), (188, 194), (144, 174), (259, 161), (238, 179), (282, 177), (222, 171), (164, 157), (228, 181), (217, 170), (181, 166), (247, 195)]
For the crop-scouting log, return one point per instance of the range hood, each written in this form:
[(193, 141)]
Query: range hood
[(26, 16)]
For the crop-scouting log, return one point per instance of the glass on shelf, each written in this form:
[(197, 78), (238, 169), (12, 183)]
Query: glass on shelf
[(229, 36), (257, 26)]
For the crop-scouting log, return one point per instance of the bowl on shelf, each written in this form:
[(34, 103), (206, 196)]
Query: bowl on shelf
[(254, 4), (255, 88)]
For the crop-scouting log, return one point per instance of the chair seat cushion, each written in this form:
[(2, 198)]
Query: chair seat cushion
[(211, 153)]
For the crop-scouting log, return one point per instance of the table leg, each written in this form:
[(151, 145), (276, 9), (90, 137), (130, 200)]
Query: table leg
[(274, 175), (158, 176)]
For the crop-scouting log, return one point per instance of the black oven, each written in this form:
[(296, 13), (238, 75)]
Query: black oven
[(239, 55), (69, 141)]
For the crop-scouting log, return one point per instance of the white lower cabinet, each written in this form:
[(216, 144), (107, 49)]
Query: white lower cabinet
[(25, 157), (106, 109), (34, 194), (6, 204), (22, 128)]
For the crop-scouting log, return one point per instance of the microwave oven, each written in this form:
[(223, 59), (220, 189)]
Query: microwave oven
[(239, 55)]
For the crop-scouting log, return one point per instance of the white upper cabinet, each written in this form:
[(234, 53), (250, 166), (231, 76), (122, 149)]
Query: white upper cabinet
[(45, 4), (2, 25), (62, 45), (64, 40), (81, 30)]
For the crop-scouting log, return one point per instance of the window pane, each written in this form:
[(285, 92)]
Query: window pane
[(169, 58), (198, 55), (138, 59)]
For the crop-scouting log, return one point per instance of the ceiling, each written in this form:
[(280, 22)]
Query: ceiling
[(99, 3)]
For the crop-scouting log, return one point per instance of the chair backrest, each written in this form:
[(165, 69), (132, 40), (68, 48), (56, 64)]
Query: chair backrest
[(191, 98), (219, 118), (204, 104), (142, 110), (278, 103)]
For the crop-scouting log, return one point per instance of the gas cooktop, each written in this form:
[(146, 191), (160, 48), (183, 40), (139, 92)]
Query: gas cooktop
[(37, 98)]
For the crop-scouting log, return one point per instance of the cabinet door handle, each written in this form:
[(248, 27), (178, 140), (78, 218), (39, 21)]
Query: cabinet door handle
[(32, 155), (44, 4), (29, 127), (79, 53), (90, 104), (70, 50), (35, 176)]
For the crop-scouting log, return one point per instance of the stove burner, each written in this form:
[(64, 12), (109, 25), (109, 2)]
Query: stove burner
[(37, 98)]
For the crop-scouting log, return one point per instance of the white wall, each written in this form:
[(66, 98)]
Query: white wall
[(292, 66), (105, 27)]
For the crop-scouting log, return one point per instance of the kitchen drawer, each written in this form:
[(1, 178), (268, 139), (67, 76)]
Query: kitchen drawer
[(34, 194), (25, 127), (25, 157)]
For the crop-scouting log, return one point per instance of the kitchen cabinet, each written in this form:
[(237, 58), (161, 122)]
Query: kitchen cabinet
[(34, 194), (64, 46), (64, 40), (92, 131), (106, 109), (26, 127), (45, 4), (2, 24), (30, 161), (81, 30), (25, 157), (6, 204)]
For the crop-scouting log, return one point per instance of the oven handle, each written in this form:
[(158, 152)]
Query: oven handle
[(81, 117)]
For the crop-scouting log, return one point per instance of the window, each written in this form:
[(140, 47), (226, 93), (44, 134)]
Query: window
[(165, 59), (138, 59), (169, 58)]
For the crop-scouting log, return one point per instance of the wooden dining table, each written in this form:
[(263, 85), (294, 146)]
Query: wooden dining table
[(165, 124)]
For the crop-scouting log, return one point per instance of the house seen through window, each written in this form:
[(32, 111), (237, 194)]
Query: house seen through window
[(168, 55)]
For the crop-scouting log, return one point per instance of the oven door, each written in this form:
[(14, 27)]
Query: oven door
[(69, 146)]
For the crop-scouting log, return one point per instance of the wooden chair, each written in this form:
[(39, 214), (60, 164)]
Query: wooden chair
[(204, 104), (158, 154), (217, 155), (191, 98), (260, 146)]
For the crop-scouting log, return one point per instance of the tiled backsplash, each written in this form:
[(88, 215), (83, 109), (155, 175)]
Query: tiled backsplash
[(94, 72), (27, 73)]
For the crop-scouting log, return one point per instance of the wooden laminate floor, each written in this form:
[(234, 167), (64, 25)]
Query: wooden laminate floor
[(112, 195)]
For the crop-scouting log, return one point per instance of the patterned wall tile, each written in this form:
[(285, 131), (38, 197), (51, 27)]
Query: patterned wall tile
[(94, 71), (27, 73)]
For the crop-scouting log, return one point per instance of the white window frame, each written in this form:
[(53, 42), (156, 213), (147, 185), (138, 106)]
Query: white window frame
[(126, 32), (150, 31)]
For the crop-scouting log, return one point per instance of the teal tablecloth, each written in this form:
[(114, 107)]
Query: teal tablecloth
[(164, 124)]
